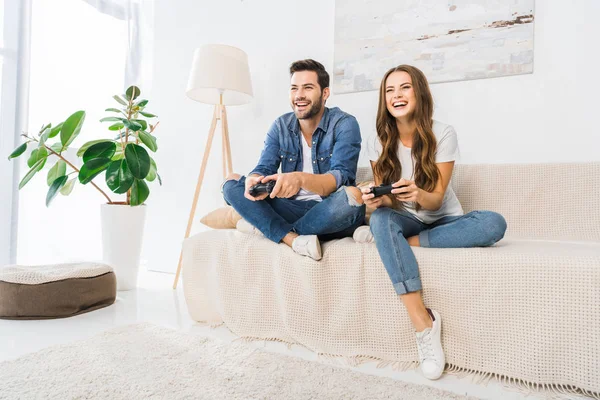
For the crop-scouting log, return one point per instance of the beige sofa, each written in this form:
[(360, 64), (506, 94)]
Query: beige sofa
[(526, 311)]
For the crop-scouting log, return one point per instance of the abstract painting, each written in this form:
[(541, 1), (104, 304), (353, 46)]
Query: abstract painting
[(449, 40)]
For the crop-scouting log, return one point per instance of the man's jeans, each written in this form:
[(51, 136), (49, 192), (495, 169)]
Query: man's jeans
[(335, 217), (390, 228)]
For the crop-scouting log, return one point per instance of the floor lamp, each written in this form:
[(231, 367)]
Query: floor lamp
[(219, 76)]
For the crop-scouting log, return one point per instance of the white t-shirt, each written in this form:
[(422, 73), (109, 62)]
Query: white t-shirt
[(447, 150), (308, 168)]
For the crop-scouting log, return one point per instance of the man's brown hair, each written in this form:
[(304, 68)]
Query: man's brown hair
[(312, 65)]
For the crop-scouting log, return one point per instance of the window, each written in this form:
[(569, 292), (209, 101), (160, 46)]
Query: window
[(78, 58)]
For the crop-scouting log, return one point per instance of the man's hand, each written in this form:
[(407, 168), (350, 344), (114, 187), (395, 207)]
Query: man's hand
[(369, 198), (251, 181), (288, 184)]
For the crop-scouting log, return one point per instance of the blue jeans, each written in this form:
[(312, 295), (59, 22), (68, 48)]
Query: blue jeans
[(335, 217), (391, 227)]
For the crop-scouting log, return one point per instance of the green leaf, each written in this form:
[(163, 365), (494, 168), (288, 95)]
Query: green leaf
[(18, 151), (92, 168), (59, 169), (100, 150), (132, 93), (118, 176), (57, 147), (89, 144), (147, 114), (134, 126), (37, 154), (116, 127), (152, 174), (138, 160), (159, 180), (55, 131), (148, 140), (142, 103), (44, 128), (142, 123), (34, 169), (119, 155), (44, 137), (105, 119), (139, 192), (71, 128), (33, 158), (113, 110), (68, 188), (54, 188), (120, 100)]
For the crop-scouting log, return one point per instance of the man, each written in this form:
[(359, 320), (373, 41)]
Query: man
[(317, 148)]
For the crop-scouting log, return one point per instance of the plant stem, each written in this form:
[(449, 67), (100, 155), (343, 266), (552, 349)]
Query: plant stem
[(72, 166), (127, 139), (121, 140), (154, 127)]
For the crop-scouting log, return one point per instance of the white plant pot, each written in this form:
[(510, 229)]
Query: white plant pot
[(122, 234)]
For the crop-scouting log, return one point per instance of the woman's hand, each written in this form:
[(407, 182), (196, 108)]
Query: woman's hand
[(409, 193), (369, 198)]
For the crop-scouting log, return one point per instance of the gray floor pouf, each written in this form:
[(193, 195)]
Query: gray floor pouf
[(55, 291)]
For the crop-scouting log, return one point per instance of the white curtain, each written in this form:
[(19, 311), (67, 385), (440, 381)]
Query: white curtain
[(139, 16), (14, 90), (15, 58)]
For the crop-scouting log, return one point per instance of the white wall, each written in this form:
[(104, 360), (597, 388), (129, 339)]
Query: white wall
[(547, 116)]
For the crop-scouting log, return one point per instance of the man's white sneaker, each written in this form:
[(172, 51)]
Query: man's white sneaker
[(246, 227), (308, 245), (363, 234), (429, 344)]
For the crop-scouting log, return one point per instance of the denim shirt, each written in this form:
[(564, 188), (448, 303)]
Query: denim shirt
[(335, 147)]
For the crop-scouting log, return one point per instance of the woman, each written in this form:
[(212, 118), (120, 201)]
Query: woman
[(414, 150)]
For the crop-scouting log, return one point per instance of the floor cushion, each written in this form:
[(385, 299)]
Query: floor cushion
[(55, 291)]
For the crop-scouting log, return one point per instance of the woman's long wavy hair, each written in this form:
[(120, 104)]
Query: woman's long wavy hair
[(387, 168)]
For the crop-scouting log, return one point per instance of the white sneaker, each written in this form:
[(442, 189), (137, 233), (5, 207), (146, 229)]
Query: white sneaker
[(363, 234), (308, 245), (246, 227), (429, 344)]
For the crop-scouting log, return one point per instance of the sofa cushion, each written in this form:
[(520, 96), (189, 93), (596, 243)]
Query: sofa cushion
[(55, 291), (539, 201)]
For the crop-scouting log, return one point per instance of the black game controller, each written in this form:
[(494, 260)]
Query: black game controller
[(384, 189), (261, 188)]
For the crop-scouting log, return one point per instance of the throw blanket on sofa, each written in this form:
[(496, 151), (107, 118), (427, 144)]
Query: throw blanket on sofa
[(527, 309)]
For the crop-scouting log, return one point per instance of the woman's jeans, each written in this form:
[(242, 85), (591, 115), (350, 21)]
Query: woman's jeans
[(337, 216), (391, 227)]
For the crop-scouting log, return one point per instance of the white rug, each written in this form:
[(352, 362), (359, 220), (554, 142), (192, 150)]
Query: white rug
[(148, 361)]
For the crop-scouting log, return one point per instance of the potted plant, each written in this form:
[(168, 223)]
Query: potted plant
[(126, 164)]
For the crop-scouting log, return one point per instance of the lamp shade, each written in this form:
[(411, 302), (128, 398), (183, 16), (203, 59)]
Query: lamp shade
[(219, 68)]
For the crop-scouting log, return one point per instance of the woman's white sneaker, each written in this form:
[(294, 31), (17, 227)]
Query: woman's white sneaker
[(429, 344), (363, 234), (308, 245)]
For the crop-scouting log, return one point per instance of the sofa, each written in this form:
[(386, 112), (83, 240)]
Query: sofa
[(525, 311)]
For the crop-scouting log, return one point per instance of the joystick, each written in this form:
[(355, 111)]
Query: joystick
[(261, 188)]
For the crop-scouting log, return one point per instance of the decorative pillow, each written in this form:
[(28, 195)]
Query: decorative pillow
[(221, 218), (369, 210)]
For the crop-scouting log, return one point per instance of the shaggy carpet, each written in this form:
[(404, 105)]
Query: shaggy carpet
[(148, 361)]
